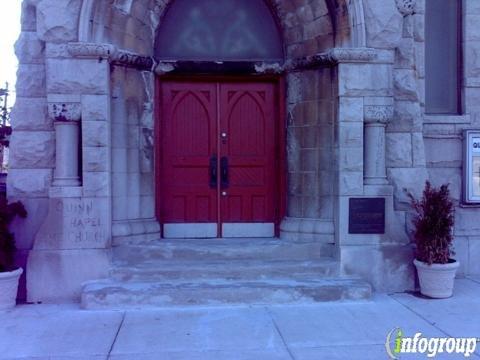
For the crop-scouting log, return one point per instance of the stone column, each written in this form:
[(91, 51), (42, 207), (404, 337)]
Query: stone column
[(66, 117), (66, 161), (376, 118)]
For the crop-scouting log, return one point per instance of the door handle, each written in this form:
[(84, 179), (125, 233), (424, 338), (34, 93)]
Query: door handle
[(224, 178), (213, 171)]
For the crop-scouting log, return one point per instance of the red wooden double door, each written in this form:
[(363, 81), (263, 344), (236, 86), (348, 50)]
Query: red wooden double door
[(219, 169)]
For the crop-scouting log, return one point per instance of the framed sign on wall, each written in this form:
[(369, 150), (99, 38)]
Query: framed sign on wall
[(471, 167)]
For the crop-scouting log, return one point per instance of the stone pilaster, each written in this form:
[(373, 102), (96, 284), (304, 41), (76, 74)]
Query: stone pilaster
[(73, 243), (365, 93)]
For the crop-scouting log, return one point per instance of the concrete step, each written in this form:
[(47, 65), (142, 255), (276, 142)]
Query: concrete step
[(231, 270), (222, 271), (111, 294), (222, 249)]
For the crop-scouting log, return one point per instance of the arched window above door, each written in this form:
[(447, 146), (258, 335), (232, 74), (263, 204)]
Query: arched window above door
[(212, 30)]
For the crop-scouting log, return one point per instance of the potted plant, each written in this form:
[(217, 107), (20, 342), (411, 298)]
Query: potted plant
[(9, 275), (433, 223)]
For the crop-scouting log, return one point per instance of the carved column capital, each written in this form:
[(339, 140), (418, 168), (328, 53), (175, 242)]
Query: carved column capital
[(64, 107), (378, 114), (64, 111), (406, 7)]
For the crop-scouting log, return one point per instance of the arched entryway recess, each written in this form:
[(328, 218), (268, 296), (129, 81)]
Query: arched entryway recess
[(338, 98), (312, 34), (219, 129)]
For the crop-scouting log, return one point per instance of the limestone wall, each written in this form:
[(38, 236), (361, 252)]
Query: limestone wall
[(32, 143), (405, 145), (310, 148), (444, 143), (132, 151), (423, 146), (128, 24)]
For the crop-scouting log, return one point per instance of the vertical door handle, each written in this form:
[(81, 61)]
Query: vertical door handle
[(213, 171), (224, 172)]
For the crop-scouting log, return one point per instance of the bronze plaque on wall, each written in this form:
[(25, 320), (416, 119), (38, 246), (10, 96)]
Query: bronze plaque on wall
[(366, 216)]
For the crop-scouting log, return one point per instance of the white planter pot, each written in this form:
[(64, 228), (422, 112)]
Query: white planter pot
[(436, 280), (9, 288)]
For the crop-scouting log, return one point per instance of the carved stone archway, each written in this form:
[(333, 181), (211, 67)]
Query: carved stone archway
[(346, 17), (333, 84)]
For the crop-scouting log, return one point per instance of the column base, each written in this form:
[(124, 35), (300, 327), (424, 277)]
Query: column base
[(65, 192), (67, 182), (375, 181)]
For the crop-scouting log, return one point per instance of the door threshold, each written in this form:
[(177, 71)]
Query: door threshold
[(190, 231)]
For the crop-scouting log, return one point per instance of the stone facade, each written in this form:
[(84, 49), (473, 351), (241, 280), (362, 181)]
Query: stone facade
[(355, 79)]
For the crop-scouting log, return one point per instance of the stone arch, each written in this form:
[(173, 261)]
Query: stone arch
[(308, 27)]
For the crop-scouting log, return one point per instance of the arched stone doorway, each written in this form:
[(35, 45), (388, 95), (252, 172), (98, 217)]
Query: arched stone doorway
[(307, 29), (105, 76), (220, 149)]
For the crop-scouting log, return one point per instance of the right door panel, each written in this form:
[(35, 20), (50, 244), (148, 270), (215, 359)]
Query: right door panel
[(247, 140)]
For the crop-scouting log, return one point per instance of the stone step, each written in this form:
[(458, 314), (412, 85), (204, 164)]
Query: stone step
[(222, 249), (110, 294), (232, 270)]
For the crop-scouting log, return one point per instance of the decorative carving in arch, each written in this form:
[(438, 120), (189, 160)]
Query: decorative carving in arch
[(406, 7)]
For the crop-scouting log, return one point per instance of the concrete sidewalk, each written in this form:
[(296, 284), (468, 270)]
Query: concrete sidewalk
[(348, 330)]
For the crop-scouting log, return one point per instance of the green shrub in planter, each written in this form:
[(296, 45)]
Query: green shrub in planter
[(433, 223), (434, 220)]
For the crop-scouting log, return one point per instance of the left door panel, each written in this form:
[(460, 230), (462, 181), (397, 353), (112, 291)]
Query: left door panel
[(189, 202)]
